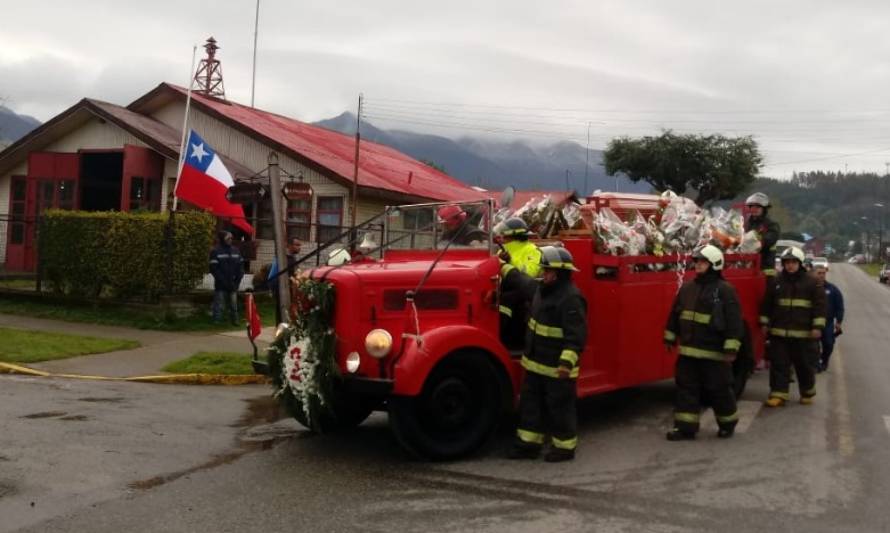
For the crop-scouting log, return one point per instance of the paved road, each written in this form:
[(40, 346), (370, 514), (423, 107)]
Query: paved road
[(820, 468)]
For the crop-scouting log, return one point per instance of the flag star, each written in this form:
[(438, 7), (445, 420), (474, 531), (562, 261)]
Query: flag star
[(198, 152)]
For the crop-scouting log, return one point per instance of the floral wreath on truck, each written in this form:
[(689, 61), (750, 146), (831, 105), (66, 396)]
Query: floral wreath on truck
[(301, 358)]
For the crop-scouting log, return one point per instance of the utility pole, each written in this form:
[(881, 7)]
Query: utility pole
[(586, 161), (358, 140), (256, 28), (280, 236)]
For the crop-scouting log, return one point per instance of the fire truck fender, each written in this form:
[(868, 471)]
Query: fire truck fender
[(418, 360)]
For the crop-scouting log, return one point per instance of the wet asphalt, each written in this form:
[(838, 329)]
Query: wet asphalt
[(83, 456)]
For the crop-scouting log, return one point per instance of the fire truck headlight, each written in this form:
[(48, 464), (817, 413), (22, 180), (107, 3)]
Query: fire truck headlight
[(353, 360), (378, 342)]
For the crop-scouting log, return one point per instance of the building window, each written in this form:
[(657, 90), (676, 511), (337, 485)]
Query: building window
[(17, 228), (299, 218), (145, 194), (329, 217)]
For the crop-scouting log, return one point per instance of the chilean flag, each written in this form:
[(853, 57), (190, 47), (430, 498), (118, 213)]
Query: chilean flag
[(204, 181)]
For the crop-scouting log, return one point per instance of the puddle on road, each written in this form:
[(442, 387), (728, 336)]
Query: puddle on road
[(44, 414), (75, 418), (110, 399), (257, 433)]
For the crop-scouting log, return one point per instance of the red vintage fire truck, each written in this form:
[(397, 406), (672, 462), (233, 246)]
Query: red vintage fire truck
[(417, 327)]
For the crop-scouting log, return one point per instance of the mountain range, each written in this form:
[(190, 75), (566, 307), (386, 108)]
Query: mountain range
[(489, 163), (495, 164), (13, 125)]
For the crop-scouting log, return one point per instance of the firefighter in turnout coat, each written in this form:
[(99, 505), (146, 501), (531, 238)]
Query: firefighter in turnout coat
[(523, 256), (767, 229), (706, 321), (793, 315), (557, 331)]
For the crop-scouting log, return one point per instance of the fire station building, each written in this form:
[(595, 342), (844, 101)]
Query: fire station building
[(98, 156)]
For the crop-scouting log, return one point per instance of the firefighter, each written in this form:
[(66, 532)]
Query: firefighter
[(524, 257), (557, 331), (706, 321), (766, 228), (793, 315), (457, 229)]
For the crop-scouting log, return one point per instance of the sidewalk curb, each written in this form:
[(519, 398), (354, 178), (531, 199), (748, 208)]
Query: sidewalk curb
[(170, 379)]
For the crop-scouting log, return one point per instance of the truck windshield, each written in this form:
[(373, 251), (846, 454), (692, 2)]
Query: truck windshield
[(433, 226)]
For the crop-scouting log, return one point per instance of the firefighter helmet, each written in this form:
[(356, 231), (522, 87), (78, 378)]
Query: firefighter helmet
[(557, 257), (758, 198), (339, 257), (793, 254), (512, 227), (711, 254), (451, 215)]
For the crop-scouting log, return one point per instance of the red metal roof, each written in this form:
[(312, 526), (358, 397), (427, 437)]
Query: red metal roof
[(380, 167)]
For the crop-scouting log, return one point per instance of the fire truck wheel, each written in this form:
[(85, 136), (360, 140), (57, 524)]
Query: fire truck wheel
[(348, 412), (743, 365), (455, 413)]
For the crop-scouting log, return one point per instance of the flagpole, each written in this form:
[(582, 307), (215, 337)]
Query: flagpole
[(256, 30), (185, 122)]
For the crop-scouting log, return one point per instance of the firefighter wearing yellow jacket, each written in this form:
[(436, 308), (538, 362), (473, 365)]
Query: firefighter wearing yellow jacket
[(524, 257), (793, 315), (706, 321), (557, 331)]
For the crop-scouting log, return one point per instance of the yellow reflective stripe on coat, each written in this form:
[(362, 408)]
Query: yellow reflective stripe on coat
[(689, 418), (565, 444), (769, 271), (701, 318), (781, 395), (530, 437), (698, 353), (729, 418), (819, 322), (732, 345), (790, 333), (505, 310), (764, 320), (570, 356), (544, 370), (795, 302), (506, 268), (670, 336), (544, 330)]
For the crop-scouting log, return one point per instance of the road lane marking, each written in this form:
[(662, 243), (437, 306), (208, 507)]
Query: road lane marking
[(845, 443)]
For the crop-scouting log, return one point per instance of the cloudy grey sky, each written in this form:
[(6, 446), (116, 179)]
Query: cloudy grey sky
[(809, 78)]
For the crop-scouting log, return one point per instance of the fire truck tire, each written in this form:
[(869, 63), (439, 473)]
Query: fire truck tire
[(743, 366), (348, 412), (456, 411)]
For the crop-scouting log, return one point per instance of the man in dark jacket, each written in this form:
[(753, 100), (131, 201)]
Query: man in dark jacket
[(793, 315), (557, 332), (458, 229), (706, 320), (227, 270), (834, 317), (766, 228)]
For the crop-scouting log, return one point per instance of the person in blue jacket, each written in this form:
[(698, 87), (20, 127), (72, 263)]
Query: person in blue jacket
[(227, 271), (834, 318)]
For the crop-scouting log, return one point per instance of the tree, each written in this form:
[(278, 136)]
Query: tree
[(717, 167)]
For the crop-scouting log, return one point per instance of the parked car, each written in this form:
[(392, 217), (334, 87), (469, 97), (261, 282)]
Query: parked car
[(820, 262), (857, 259), (884, 274)]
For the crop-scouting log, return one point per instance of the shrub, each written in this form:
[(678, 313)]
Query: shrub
[(129, 254)]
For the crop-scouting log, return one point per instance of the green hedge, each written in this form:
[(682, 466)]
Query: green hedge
[(89, 254)]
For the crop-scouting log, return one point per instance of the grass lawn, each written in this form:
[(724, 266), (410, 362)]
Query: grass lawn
[(871, 269), (226, 363), (119, 316), (21, 284), (24, 346)]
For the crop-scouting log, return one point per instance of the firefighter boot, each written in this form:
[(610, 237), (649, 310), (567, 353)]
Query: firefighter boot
[(676, 434), (725, 433), (806, 400), (774, 402), (558, 455)]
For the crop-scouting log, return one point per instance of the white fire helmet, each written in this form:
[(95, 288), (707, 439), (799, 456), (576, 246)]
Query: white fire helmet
[(793, 253), (758, 198), (711, 254), (339, 257)]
